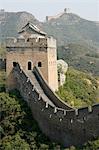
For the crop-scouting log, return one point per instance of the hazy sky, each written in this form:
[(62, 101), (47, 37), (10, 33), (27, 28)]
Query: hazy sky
[(88, 9)]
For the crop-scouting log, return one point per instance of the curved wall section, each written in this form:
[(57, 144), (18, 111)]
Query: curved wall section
[(65, 126), (51, 95)]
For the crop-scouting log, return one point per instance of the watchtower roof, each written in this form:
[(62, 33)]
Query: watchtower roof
[(33, 28)]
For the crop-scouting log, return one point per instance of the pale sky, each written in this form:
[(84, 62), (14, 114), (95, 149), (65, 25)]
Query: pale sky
[(88, 9)]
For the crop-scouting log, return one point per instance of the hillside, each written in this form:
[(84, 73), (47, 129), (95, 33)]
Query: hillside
[(70, 28), (12, 22), (80, 89), (81, 57)]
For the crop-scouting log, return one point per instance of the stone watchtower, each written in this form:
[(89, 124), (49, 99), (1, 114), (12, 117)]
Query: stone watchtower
[(32, 48)]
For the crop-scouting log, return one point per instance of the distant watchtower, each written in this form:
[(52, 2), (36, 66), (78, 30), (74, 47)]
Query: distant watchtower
[(32, 48)]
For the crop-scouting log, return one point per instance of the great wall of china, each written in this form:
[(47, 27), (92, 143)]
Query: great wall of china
[(57, 120), (31, 68)]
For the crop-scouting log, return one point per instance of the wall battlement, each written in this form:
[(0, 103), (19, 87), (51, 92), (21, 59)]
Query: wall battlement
[(72, 126), (68, 111), (30, 43)]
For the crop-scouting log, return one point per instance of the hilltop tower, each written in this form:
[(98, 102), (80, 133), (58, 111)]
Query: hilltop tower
[(32, 48)]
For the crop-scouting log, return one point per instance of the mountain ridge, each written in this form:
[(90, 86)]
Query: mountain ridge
[(11, 22), (70, 28), (67, 28)]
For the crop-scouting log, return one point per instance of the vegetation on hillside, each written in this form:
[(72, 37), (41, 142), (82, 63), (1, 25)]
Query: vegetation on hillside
[(81, 57), (18, 129), (79, 89)]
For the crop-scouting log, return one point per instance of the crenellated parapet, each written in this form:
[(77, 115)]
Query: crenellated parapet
[(26, 43), (69, 112), (40, 43)]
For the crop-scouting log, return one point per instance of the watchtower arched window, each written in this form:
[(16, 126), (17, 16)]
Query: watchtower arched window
[(39, 64), (29, 65)]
